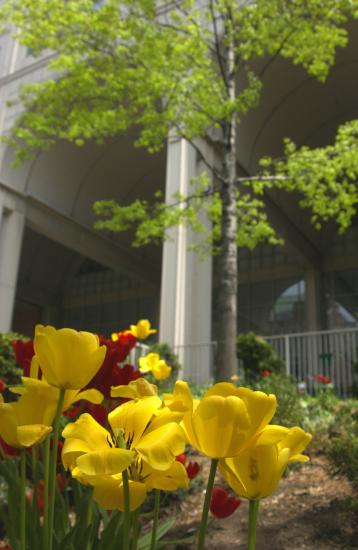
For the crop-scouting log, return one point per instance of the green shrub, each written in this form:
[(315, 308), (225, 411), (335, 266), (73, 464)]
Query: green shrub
[(166, 353), (340, 442), (343, 454), (354, 388), (289, 410), (9, 371), (256, 355)]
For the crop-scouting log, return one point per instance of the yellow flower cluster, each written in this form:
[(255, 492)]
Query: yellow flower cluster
[(229, 424), (68, 360), (232, 424), (154, 364), (145, 437)]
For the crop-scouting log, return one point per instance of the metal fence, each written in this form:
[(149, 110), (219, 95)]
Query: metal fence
[(330, 353), (196, 360), (138, 351)]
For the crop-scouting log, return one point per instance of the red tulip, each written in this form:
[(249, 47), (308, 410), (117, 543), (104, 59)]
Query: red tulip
[(221, 505), (265, 373), (192, 469), (2, 385), (7, 450), (181, 458), (322, 379), (111, 373), (24, 352), (99, 412), (125, 343), (61, 482)]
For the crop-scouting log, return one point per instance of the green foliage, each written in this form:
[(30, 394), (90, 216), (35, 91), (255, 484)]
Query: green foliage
[(325, 177), (289, 410), (128, 62), (343, 454), (9, 371), (201, 211), (342, 445), (165, 351), (334, 424), (162, 68), (355, 379), (257, 355)]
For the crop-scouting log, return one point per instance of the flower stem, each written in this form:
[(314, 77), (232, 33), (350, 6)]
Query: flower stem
[(253, 512), (127, 517), (89, 514), (204, 515), (53, 467), (45, 531), (23, 500), (135, 527), (155, 519)]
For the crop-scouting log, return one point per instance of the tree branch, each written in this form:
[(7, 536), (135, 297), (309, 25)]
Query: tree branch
[(217, 47)]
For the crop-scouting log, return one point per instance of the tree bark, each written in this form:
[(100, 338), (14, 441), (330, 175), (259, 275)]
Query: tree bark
[(226, 361)]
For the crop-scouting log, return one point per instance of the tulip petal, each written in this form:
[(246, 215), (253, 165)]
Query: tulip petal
[(171, 479), (33, 434), (105, 461), (126, 392), (135, 389), (260, 407), (133, 417), (87, 429), (164, 416), (72, 449), (160, 447), (221, 425), (222, 388), (271, 435), (109, 493), (296, 440), (68, 359), (92, 395)]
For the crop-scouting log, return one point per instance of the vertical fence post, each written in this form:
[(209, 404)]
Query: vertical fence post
[(287, 355)]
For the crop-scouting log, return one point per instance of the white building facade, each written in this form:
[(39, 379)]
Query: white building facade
[(55, 268)]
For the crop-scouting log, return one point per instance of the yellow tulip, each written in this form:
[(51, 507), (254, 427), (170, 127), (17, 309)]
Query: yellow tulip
[(44, 391), (67, 358), (256, 471), (225, 420), (108, 490), (154, 364), (142, 329), (136, 389), (145, 439), (27, 422)]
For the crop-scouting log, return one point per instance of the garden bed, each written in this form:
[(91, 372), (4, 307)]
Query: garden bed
[(309, 510)]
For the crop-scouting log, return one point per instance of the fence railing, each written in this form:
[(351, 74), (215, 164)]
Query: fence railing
[(138, 351), (329, 352)]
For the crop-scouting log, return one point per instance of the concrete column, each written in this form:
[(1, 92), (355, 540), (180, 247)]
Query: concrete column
[(11, 233), (185, 313), (315, 303)]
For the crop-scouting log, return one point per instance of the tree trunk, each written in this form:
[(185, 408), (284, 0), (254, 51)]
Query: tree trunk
[(226, 360)]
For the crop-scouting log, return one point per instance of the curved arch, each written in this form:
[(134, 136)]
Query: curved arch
[(287, 97)]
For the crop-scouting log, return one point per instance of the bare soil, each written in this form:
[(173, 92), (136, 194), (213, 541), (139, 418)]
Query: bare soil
[(309, 511)]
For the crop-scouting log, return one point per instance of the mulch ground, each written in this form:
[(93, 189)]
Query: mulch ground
[(309, 511)]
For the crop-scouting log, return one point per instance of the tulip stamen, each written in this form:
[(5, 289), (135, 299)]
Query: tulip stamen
[(254, 470), (111, 442), (130, 440)]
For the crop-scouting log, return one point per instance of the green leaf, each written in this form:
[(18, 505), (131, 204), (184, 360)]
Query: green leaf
[(145, 541)]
